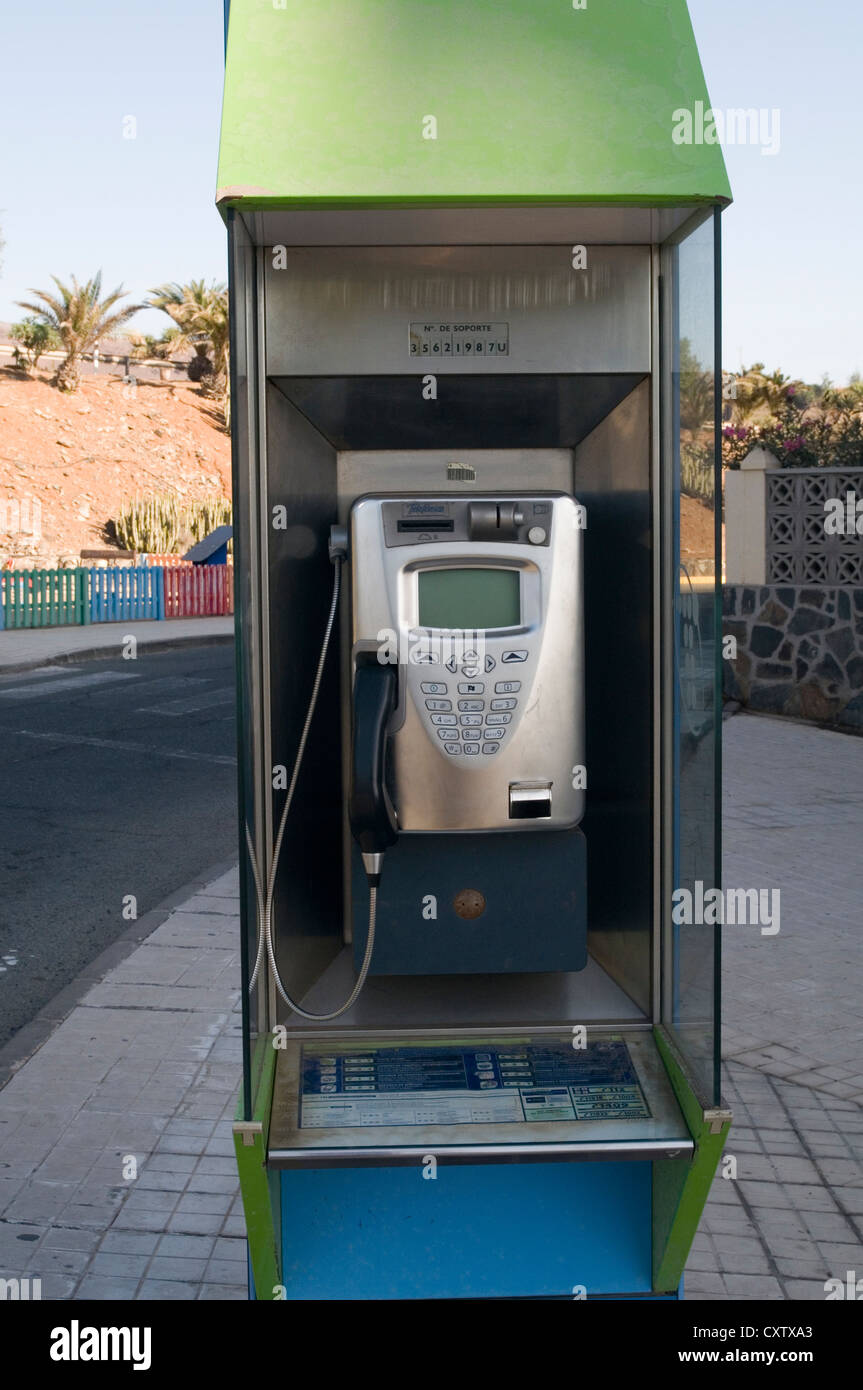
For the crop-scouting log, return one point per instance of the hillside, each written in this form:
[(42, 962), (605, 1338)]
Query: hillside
[(82, 456)]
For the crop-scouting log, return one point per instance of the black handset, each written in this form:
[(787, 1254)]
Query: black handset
[(372, 818)]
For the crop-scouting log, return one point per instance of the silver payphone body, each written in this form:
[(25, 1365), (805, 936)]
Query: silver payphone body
[(478, 603)]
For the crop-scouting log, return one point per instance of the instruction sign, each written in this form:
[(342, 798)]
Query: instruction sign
[(452, 1085)]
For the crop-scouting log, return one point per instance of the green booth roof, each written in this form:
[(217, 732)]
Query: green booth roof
[(535, 102)]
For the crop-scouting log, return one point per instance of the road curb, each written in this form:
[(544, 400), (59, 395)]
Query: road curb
[(157, 644), (27, 1040)]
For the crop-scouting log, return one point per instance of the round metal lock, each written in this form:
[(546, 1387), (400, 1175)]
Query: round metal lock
[(469, 904), (536, 535)]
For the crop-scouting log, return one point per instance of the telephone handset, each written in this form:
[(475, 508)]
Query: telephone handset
[(469, 665), (372, 817)]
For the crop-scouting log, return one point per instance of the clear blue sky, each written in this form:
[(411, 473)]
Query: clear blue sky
[(74, 195)]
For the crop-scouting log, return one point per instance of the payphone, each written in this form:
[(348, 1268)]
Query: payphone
[(459, 370), (477, 603), (467, 679), (468, 725)]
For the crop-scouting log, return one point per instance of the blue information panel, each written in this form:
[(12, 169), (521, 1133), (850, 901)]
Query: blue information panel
[(461, 1084)]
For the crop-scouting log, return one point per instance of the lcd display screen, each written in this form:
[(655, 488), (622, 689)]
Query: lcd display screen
[(470, 599)]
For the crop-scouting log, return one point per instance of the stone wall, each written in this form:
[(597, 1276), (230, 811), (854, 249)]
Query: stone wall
[(799, 651)]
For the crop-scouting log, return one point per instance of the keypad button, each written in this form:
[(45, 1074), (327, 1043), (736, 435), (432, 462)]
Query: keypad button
[(437, 719), (454, 749), (471, 688), (471, 720), (444, 734), (494, 733), (434, 688), (507, 687), (504, 704), (470, 671), (471, 706), (470, 748), (439, 705), (490, 663), (498, 718), (491, 748), (513, 656)]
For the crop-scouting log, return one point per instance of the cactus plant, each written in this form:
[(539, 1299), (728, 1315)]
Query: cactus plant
[(162, 525)]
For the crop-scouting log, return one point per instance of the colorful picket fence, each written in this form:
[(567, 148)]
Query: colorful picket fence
[(65, 597), (119, 594), (45, 598), (204, 591)]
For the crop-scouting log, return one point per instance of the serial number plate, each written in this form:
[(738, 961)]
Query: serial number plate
[(459, 340)]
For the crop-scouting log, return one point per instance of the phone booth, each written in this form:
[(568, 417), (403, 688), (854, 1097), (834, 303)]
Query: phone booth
[(474, 261)]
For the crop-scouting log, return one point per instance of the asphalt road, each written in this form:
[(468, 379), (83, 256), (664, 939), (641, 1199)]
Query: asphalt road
[(119, 778)]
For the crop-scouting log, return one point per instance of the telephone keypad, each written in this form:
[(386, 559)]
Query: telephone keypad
[(482, 723)]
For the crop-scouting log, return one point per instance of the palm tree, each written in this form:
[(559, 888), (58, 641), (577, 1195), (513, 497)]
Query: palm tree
[(760, 392), (80, 317), (200, 311)]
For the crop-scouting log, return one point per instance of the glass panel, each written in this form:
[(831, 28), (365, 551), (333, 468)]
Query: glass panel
[(242, 284), (690, 1007), (473, 1093)]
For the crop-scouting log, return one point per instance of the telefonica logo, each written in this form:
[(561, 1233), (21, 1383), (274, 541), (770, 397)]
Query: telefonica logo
[(707, 125), (77, 1343)]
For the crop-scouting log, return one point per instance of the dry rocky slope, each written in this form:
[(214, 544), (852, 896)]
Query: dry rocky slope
[(82, 456)]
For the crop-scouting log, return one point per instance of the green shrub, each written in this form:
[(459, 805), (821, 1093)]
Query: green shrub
[(34, 338), (828, 439)]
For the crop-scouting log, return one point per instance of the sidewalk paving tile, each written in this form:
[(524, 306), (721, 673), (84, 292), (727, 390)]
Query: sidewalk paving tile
[(148, 1064)]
